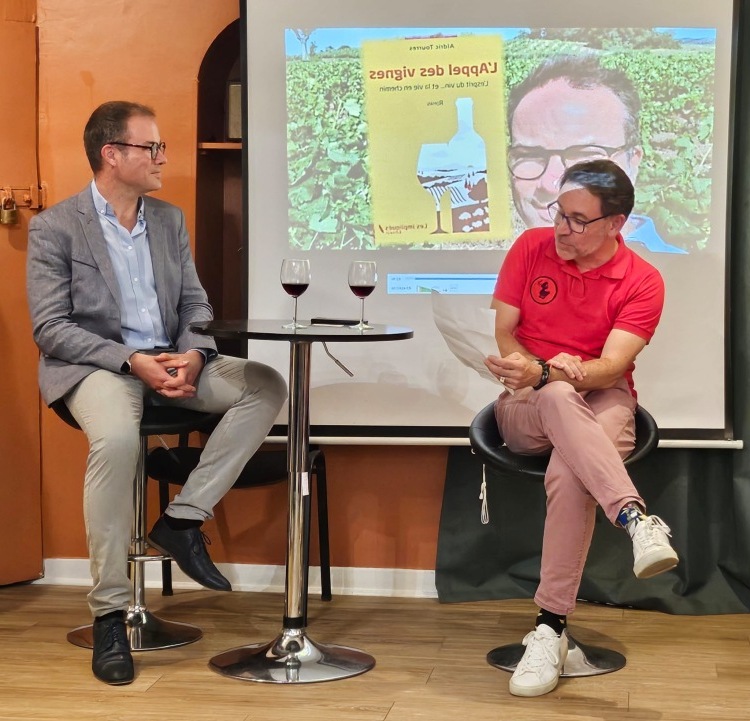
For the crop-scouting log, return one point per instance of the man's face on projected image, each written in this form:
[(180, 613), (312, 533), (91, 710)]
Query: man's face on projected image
[(555, 126)]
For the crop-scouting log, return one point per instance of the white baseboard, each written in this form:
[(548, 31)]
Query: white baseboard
[(397, 582)]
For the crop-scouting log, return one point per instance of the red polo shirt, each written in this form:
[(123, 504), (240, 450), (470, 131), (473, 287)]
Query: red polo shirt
[(565, 310)]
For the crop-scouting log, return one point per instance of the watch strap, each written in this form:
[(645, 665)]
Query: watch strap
[(545, 375)]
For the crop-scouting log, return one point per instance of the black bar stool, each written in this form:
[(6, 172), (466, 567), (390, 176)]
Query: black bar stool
[(146, 631), (488, 444), (174, 465)]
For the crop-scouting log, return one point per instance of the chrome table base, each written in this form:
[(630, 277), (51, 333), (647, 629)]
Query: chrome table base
[(583, 660), (291, 658), (146, 632)]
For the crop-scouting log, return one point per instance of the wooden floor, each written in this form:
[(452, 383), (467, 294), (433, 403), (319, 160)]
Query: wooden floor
[(430, 663)]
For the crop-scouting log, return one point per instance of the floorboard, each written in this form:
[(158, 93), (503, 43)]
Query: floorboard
[(430, 663)]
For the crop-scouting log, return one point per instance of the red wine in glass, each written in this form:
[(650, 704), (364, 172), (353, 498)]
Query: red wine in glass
[(363, 276), (362, 291), (295, 279), (295, 289)]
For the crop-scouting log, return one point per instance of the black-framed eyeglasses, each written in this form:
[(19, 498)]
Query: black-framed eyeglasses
[(574, 224), (154, 147), (527, 162)]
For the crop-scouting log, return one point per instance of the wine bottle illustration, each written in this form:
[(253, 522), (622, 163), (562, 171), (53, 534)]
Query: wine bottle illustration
[(469, 201), (433, 175)]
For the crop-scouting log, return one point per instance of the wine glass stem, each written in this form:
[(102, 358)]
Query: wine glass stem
[(294, 317), (362, 312)]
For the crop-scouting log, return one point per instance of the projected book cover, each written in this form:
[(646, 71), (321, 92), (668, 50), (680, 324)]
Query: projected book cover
[(436, 137), (454, 138)]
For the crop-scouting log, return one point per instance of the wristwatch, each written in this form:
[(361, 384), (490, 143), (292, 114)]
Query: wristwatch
[(126, 367), (545, 375)]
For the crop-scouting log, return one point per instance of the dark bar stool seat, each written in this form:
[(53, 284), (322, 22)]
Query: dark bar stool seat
[(265, 468), (146, 631), (488, 444)]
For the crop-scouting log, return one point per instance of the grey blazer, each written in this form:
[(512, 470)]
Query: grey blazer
[(74, 298)]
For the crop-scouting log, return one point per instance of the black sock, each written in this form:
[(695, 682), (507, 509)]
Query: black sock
[(181, 524), (554, 620), (110, 616)]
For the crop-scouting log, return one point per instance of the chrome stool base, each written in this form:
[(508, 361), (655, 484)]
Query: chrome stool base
[(582, 660), (146, 632), (150, 633), (291, 658)]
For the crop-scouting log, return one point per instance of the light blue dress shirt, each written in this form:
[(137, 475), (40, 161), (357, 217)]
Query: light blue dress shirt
[(142, 326)]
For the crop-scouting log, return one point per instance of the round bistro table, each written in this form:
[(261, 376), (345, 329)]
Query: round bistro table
[(292, 657)]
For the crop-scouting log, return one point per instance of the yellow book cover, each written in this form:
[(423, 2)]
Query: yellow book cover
[(437, 140)]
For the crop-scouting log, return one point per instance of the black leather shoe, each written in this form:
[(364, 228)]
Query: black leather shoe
[(188, 550), (112, 661)]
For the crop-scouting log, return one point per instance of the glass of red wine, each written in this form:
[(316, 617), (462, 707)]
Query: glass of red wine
[(363, 276), (295, 278)]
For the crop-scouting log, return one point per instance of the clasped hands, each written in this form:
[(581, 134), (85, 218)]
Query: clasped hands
[(516, 370), (172, 375)]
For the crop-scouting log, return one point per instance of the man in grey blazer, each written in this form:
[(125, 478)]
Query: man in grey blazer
[(112, 291)]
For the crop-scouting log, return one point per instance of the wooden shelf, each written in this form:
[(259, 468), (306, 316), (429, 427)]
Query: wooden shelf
[(220, 248), (220, 146)]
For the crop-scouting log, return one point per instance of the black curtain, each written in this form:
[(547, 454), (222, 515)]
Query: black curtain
[(695, 491), (704, 495)]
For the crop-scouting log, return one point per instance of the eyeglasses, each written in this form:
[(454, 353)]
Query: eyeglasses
[(574, 224), (529, 162), (154, 147)]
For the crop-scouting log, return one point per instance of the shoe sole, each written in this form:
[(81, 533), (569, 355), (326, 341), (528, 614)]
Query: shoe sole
[(649, 569), (531, 691), (114, 683), (123, 682)]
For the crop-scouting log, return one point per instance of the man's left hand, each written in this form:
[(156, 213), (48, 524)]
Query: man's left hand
[(571, 365)]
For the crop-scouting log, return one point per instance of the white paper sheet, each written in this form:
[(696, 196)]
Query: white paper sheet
[(468, 330)]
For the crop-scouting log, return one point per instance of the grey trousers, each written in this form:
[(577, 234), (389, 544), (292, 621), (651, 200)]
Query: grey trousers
[(108, 407)]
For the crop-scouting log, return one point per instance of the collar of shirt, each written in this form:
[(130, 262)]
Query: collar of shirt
[(616, 267), (104, 209)]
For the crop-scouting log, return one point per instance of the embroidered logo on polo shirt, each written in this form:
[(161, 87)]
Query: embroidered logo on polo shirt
[(543, 290)]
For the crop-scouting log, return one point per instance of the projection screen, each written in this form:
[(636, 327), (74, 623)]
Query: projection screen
[(360, 120)]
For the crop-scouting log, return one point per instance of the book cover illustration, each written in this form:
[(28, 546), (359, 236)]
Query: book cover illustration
[(436, 139)]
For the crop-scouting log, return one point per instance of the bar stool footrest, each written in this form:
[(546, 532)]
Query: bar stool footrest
[(144, 557)]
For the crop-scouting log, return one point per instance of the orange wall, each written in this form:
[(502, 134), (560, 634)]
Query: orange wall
[(384, 502), (20, 479)]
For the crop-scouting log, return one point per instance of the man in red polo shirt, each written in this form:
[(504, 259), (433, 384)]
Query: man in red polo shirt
[(574, 307)]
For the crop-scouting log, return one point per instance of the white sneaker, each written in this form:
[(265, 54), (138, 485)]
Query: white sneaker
[(539, 670), (651, 549)]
